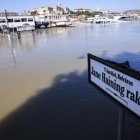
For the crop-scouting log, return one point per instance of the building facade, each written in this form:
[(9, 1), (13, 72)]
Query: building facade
[(41, 11), (57, 9)]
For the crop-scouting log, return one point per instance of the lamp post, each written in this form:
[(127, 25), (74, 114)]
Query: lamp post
[(121, 120), (7, 21)]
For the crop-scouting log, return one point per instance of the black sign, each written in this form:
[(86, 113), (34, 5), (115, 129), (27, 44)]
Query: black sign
[(117, 80)]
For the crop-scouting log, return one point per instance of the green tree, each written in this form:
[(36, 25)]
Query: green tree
[(89, 14)]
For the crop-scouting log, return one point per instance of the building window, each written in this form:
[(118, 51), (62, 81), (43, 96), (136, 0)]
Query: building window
[(30, 19), (17, 20), (10, 20), (2, 21), (24, 19)]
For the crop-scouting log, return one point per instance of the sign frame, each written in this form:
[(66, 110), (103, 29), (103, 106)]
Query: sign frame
[(118, 67)]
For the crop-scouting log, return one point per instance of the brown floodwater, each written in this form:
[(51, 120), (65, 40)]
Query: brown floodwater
[(46, 75)]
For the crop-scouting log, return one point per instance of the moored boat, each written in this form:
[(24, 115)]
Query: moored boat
[(17, 23)]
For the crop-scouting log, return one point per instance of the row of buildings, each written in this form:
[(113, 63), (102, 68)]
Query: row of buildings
[(57, 9), (60, 10), (91, 10)]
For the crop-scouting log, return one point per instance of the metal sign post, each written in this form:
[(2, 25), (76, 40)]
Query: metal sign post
[(121, 121)]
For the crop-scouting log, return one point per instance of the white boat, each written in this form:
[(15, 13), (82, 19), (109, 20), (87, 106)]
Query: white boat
[(102, 19), (90, 20), (18, 23)]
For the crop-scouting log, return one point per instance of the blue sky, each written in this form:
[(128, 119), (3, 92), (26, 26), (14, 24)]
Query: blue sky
[(115, 5)]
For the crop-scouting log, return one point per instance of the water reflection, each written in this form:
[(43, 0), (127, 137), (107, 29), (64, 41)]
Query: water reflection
[(69, 109), (13, 50), (27, 40), (63, 111)]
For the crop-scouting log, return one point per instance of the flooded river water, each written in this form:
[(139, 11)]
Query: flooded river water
[(44, 89)]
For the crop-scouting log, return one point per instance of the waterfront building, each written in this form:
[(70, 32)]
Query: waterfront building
[(57, 9), (66, 10), (41, 11)]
